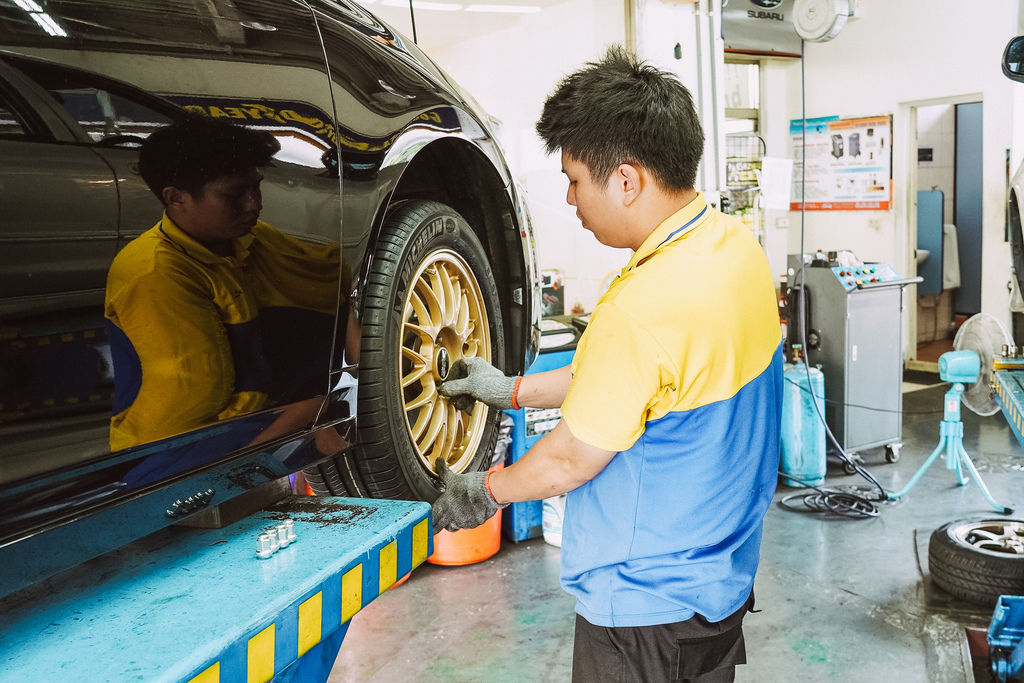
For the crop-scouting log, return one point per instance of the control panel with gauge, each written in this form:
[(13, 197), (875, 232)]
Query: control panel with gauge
[(867, 274)]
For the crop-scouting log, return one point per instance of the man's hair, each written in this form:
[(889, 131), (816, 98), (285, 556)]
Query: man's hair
[(621, 110), (191, 152)]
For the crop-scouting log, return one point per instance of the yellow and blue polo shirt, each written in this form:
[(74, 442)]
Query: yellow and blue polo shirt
[(680, 372), (196, 337)]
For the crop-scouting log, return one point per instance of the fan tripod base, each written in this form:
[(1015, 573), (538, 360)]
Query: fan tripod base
[(951, 445)]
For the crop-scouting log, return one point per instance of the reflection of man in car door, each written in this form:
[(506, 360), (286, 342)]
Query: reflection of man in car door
[(213, 313)]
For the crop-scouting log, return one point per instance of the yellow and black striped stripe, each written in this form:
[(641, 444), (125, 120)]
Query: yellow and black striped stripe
[(304, 624)]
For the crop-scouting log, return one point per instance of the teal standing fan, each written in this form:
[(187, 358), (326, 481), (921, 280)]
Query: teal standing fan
[(960, 368)]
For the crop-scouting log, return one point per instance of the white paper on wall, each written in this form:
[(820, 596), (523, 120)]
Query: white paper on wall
[(776, 181)]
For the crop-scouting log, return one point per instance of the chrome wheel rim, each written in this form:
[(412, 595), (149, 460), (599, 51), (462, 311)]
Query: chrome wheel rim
[(993, 536), (444, 319)]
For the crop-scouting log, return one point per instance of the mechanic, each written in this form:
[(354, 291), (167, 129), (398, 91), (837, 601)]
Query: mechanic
[(668, 444), (212, 313)]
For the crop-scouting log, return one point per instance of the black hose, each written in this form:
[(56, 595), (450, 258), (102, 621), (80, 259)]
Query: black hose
[(833, 502)]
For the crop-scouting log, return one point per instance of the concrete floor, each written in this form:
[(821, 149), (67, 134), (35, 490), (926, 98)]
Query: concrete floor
[(841, 600)]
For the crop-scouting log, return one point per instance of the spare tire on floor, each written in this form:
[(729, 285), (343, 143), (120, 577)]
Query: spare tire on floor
[(978, 560)]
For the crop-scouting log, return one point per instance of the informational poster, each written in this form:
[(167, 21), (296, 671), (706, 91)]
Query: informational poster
[(849, 163)]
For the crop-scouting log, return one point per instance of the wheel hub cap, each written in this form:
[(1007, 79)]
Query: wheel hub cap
[(998, 536), (442, 364), (444, 319)]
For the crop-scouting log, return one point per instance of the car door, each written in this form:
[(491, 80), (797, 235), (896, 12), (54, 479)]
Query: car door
[(60, 208), (114, 120)]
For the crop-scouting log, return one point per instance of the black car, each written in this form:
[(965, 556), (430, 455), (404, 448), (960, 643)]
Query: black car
[(384, 163)]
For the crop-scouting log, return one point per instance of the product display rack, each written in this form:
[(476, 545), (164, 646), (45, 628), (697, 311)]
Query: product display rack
[(744, 153)]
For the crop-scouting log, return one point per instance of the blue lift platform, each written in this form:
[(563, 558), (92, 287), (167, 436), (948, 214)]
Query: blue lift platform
[(198, 605), (1008, 378)]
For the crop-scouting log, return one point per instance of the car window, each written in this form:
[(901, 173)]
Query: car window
[(104, 114), (11, 124), (103, 110)]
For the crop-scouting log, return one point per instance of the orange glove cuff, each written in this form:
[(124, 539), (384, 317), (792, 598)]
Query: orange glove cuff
[(515, 393)]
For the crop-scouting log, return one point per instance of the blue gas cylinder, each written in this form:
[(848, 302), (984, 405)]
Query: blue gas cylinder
[(803, 432)]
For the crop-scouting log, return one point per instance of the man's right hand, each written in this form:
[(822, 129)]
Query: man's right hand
[(474, 379)]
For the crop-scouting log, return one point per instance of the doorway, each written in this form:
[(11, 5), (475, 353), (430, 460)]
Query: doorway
[(948, 212)]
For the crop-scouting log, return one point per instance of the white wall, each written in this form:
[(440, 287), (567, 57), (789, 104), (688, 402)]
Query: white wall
[(780, 226), (511, 72), (896, 55)]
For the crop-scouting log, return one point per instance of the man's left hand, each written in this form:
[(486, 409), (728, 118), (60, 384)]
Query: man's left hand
[(465, 502)]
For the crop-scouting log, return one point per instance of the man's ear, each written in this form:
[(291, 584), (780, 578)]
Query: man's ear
[(630, 182), (173, 196)]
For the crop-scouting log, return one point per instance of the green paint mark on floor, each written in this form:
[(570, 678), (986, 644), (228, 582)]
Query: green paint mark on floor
[(811, 651), (814, 652)]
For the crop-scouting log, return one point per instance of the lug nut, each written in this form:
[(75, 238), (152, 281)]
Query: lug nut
[(264, 548), (282, 535), (275, 541), (275, 538)]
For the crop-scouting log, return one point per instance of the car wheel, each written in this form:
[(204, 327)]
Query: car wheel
[(978, 560), (337, 476), (429, 300)]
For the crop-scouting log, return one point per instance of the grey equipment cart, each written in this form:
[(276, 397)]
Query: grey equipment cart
[(853, 323)]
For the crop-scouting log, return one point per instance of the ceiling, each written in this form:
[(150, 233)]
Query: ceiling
[(440, 23)]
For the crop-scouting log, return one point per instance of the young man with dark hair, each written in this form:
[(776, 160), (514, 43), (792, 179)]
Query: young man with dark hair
[(668, 445), (189, 302)]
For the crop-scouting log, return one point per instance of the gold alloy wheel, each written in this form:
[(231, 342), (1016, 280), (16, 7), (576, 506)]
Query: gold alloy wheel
[(444, 319)]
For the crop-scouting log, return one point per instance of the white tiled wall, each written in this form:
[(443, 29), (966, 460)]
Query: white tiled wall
[(936, 128)]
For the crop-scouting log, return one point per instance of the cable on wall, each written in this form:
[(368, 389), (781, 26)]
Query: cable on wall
[(844, 502)]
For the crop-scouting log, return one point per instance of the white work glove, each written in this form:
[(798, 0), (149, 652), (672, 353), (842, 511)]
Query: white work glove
[(474, 379)]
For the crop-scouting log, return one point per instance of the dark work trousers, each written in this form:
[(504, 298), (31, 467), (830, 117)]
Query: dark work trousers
[(692, 651)]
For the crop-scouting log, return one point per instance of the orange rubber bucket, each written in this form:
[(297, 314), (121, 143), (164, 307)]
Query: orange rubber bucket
[(402, 580), (466, 546)]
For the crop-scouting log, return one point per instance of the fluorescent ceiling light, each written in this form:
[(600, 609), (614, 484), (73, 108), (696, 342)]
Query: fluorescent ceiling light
[(28, 5), (49, 25), (45, 21), (425, 5), (504, 9)]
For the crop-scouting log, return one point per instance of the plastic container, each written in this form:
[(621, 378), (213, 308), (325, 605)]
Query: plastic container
[(402, 580), (524, 520), (466, 546), (551, 519), (1006, 638), (803, 433)]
